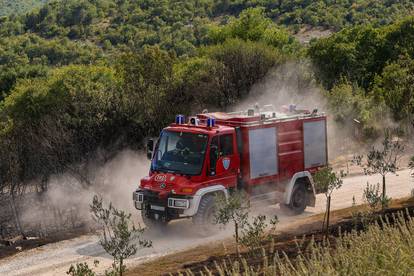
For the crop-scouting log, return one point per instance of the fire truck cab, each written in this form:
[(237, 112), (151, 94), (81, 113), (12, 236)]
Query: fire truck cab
[(268, 154)]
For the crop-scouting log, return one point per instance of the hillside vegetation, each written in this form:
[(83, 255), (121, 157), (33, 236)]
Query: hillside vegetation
[(81, 76), (13, 7), (368, 71), (53, 119)]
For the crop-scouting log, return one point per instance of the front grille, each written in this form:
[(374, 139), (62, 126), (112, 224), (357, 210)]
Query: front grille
[(162, 186), (152, 198)]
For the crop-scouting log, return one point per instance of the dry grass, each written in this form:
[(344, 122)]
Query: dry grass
[(384, 248), (221, 249)]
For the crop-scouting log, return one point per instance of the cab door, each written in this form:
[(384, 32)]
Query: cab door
[(224, 160)]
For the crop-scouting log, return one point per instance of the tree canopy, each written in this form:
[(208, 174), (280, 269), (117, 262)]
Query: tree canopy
[(81, 76)]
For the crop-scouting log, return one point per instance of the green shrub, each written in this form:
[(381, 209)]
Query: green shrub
[(82, 269)]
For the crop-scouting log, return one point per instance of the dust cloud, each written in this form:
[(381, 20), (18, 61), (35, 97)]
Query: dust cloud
[(294, 83), (114, 181)]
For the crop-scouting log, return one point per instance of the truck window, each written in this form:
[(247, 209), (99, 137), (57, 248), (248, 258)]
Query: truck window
[(226, 144), (180, 152)]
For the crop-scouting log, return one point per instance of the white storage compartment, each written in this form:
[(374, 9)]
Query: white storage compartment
[(263, 152), (314, 135)]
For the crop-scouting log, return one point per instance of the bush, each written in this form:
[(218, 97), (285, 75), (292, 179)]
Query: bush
[(81, 269), (372, 196), (253, 234)]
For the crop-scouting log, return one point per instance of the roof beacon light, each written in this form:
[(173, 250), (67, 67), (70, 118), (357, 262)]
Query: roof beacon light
[(179, 119), (211, 122)]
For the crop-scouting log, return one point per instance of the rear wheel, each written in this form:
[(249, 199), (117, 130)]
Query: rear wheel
[(298, 201), (152, 223), (204, 219)]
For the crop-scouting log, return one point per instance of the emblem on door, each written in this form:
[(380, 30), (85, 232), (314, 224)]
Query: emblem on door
[(226, 163)]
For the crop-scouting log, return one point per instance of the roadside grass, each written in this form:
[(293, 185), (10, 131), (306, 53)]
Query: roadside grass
[(384, 248), (287, 250)]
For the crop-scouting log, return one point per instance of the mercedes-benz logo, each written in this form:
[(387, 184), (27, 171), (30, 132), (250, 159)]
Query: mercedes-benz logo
[(162, 185)]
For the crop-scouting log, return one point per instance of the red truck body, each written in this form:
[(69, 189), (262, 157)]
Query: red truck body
[(262, 152), (287, 145)]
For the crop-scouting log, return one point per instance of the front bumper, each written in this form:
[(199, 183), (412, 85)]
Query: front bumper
[(172, 207), (175, 203)]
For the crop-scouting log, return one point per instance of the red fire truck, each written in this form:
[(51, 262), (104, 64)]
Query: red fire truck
[(268, 154)]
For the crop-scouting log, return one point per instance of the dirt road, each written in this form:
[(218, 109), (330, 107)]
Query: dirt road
[(55, 259)]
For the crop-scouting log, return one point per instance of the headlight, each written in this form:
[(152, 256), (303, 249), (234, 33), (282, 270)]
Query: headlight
[(181, 203), (178, 203), (138, 196)]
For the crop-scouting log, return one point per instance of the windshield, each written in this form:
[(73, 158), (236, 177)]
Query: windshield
[(180, 152)]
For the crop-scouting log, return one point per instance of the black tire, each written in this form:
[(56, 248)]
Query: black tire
[(152, 224), (298, 201), (203, 220)]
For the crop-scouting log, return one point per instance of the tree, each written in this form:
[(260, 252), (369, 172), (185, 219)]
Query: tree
[(396, 87), (119, 238), (382, 160), (233, 209), (348, 103), (245, 63), (203, 75), (53, 124), (326, 180), (147, 79)]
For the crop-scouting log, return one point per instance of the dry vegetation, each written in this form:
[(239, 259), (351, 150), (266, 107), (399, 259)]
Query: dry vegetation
[(292, 255), (384, 247)]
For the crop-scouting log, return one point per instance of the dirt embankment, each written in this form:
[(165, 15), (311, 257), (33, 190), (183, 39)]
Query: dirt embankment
[(13, 246)]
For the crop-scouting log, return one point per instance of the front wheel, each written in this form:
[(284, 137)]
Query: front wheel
[(298, 201), (204, 218)]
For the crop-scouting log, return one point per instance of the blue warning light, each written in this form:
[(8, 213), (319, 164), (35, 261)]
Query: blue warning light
[(179, 119), (211, 122)]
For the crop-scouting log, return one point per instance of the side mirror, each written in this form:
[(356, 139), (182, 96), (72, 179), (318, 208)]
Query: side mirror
[(150, 148), (213, 159)]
